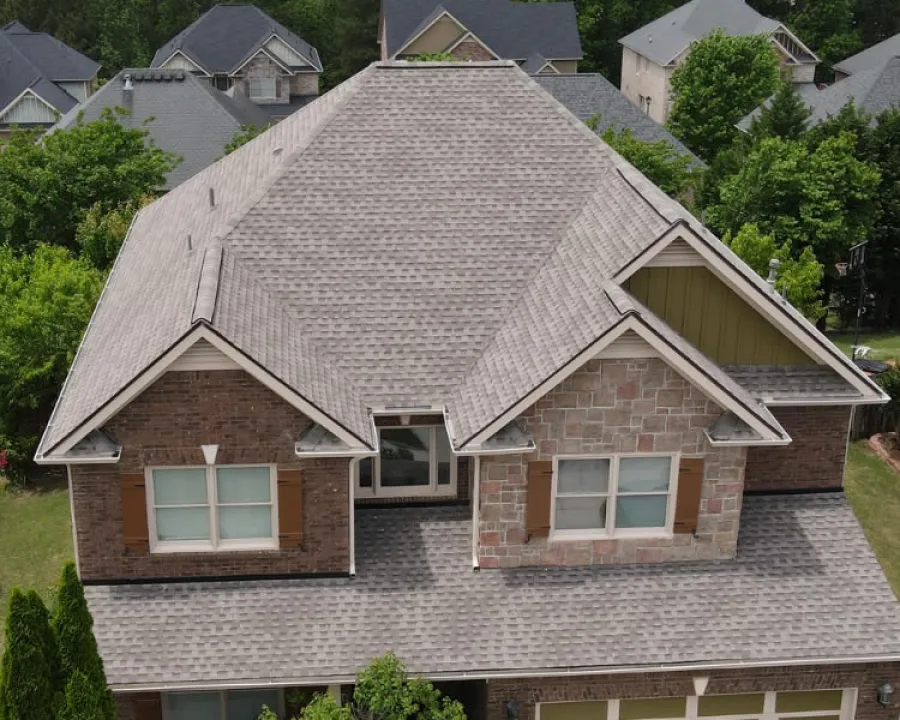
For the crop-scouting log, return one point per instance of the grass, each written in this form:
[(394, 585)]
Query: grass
[(873, 490), (885, 346), (36, 533)]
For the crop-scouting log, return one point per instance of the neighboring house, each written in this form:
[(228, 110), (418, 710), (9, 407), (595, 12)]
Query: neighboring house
[(589, 95), (874, 90), (427, 368), (183, 115), (542, 36), (40, 78), (651, 53), (873, 57), (240, 46)]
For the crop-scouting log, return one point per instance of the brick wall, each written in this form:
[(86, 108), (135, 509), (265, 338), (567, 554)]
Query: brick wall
[(472, 50), (646, 685), (815, 458), (614, 406), (304, 83), (262, 66), (166, 425)]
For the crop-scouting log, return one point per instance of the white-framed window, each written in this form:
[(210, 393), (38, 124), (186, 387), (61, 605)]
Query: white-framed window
[(599, 496), (216, 507), (261, 88), (415, 461), (222, 705)]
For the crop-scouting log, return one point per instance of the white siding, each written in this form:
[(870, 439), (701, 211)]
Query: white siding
[(629, 345), (28, 109), (285, 53), (203, 356), (676, 254), (77, 90), (180, 62)]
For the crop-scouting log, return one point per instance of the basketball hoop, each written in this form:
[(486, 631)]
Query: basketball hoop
[(842, 268)]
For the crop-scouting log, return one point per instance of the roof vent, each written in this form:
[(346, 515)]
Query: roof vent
[(190, 241), (277, 151), (212, 198), (774, 265), (128, 84)]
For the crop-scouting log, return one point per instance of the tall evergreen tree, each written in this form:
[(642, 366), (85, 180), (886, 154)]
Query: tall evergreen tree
[(82, 701), (784, 117)]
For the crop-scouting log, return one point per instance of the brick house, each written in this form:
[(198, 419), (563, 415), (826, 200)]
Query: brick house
[(428, 368), (541, 37), (239, 46)]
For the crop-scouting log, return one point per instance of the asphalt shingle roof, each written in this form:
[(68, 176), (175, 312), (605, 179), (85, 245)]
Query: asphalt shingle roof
[(226, 36), (872, 57), (587, 94), (663, 39), (53, 58), (186, 115), (388, 245), (805, 586), (791, 382), (513, 30)]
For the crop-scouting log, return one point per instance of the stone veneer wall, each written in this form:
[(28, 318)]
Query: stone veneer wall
[(166, 425), (472, 50), (305, 83), (614, 406), (815, 458), (262, 66)]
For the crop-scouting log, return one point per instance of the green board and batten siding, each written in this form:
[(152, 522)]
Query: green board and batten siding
[(712, 317)]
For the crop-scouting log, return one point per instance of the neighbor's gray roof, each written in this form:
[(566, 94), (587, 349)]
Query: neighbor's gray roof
[(53, 58), (872, 57), (791, 382), (513, 30), (18, 73), (663, 39), (806, 91), (186, 116), (804, 587), (226, 36), (362, 276), (587, 94)]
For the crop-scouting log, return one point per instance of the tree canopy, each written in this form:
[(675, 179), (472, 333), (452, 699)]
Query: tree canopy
[(784, 117), (658, 160)]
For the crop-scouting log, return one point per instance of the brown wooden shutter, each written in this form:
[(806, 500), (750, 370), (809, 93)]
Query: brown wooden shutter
[(290, 508), (147, 707), (540, 485), (690, 487), (134, 512)]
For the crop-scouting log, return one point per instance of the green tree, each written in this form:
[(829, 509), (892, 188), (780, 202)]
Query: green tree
[(47, 188), (243, 136), (81, 664), (29, 673), (849, 119), (82, 702), (669, 170), (799, 279), (47, 300), (100, 235), (434, 57), (722, 79), (890, 383), (784, 117)]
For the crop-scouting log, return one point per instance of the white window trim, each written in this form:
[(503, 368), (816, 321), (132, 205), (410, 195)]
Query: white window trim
[(426, 491), (847, 711), (214, 544), (273, 96), (167, 715), (610, 531)]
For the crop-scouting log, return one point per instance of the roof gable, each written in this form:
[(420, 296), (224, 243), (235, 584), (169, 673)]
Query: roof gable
[(54, 59), (20, 74)]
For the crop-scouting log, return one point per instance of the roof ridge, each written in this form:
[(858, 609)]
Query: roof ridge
[(208, 282)]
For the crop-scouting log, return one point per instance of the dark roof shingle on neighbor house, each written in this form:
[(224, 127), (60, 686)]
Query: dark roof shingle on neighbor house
[(513, 30), (226, 36), (872, 57), (183, 115), (805, 586), (587, 95)]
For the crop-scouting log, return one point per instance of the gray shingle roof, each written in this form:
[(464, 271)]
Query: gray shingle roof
[(663, 39), (226, 36), (513, 30), (791, 382), (872, 57), (53, 58), (586, 94), (432, 290), (793, 593), (186, 115)]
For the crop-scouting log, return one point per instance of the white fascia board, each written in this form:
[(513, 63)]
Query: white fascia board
[(292, 47), (793, 325), (425, 29), (26, 92), (747, 443), (269, 55), (798, 41), (161, 365), (469, 35), (191, 60), (62, 460)]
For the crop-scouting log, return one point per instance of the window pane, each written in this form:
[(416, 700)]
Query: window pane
[(236, 522), (179, 486), (803, 701), (243, 485), (365, 472), (583, 476), (194, 706), (405, 457), (589, 710), (246, 704), (655, 708), (641, 511), (182, 523), (444, 456), (580, 513), (712, 705), (644, 474)]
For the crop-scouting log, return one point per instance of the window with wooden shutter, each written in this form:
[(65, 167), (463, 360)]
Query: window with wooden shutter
[(290, 508), (134, 512), (147, 707), (540, 487), (690, 487)]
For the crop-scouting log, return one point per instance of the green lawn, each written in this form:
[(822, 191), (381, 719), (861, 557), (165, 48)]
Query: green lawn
[(873, 489), (36, 536), (885, 346)]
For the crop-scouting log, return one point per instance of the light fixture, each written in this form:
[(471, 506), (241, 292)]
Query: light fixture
[(209, 453), (700, 684), (884, 694), (512, 708)]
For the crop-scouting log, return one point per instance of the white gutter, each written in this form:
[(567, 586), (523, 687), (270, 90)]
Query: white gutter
[(63, 460), (747, 443), (799, 402), (476, 503), (306, 681)]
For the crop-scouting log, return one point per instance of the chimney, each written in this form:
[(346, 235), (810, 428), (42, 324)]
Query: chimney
[(128, 94), (774, 265)]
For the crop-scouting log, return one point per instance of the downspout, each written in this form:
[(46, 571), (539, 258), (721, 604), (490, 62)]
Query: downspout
[(72, 512), (476, 502), (354, 464)]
